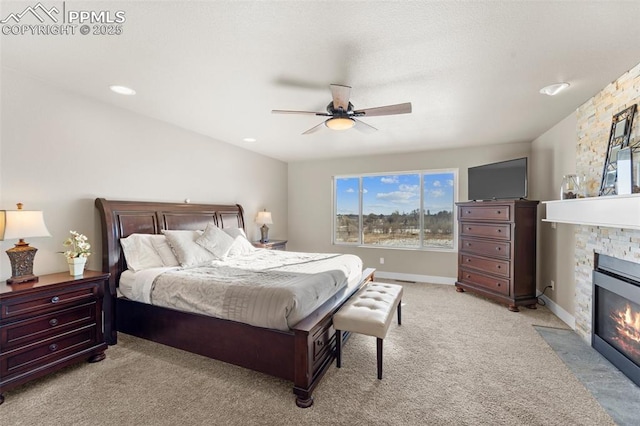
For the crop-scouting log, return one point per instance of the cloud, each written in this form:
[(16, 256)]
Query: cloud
[(364, 190), (389, 179), (449, 182), (399, 197), (350, 190), (409, 188), (435, 193), (437, 183)]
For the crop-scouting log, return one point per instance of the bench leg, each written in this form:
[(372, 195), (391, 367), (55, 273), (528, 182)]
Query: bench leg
[(400, 312), (338, 348), (379, 345)]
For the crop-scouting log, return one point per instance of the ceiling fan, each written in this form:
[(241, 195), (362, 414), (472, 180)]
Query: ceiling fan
[(342, 115)]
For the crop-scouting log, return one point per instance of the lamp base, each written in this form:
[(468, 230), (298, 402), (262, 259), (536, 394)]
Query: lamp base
[(21, 258), (264, 233)]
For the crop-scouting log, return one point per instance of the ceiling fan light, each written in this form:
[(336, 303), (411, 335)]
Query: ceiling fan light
[(554, 89), (340, 123)]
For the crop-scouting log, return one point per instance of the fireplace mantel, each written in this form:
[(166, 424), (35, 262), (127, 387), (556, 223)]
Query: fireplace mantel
[(614, 211)]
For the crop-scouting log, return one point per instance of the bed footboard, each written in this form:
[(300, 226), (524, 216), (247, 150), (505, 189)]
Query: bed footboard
[(315, 344)]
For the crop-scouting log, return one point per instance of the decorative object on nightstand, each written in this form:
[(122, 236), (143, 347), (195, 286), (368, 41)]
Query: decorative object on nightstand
[(20, 224), (77, 253), (264, 219), (271, 245), (48, 325)]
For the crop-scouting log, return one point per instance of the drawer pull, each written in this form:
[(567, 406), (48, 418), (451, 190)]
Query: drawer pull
[(468, 244), (468, 228), (55, 299), (499, 231), (468, 276), (499, 212), (53, 322), (468, 260), (498, 284), (498, 248), (499, 267), (53, 347)]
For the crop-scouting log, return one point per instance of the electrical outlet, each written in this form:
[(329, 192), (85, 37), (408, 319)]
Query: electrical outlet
[(552, 284), (382, 260)]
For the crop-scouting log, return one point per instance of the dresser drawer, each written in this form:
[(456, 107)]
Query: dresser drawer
[(492, 213), (492, 266), (497, 285), (41, 354), (486, 247), (500, 232), (47, 302), (44, 326)]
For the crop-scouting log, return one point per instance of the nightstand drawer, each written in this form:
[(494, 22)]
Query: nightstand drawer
[(37, 355), (42, 327), (486, 247), (488, 212), (47, 302)]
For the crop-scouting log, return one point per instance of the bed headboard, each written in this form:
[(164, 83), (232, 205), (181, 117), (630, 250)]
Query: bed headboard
[(123, 218)]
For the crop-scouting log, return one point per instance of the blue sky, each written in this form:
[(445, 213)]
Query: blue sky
[(384, 194)]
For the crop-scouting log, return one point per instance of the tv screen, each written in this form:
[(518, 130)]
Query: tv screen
[(498, 181)]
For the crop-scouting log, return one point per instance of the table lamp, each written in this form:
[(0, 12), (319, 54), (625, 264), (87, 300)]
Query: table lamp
[(264, 219), (20, 224)]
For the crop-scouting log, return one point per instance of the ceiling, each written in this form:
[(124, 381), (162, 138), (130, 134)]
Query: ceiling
[(472, 70)]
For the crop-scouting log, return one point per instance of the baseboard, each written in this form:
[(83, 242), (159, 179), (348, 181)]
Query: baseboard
[(565, 316), (414, 277)]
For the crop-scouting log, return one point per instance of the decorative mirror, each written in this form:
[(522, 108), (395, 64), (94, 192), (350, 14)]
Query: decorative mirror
[(618, 139)]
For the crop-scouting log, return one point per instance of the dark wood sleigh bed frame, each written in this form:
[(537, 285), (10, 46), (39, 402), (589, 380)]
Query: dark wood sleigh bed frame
[(301, 355)]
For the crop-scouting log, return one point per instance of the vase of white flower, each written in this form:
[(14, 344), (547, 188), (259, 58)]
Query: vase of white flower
[(77, 253)]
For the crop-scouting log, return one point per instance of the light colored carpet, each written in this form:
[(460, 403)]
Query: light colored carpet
[(458, 359)]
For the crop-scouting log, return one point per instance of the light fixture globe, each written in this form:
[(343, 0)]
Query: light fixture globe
[(340, 123), (554, 89)]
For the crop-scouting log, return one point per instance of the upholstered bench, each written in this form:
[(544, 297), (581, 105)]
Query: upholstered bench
[(369, 312)]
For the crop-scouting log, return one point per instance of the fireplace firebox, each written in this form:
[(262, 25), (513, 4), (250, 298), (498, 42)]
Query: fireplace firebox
[(616, 313)]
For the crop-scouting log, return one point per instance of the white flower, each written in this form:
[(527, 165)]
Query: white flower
[(78, 246)]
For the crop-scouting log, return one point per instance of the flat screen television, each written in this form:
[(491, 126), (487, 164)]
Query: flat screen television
[(499, 181)]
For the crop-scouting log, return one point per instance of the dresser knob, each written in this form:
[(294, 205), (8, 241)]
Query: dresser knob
[(468, 228), (55, 299), (468, 260), (498, 248), (498, 284), (53, 322), (499, 231), (53, 347), (499, 212), (499, 267), (468, 276)]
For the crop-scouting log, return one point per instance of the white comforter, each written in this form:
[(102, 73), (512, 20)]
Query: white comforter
[(266, 288)]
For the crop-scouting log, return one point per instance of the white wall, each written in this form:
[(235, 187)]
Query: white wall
[(310, 204), (59, 151), (553, 155)]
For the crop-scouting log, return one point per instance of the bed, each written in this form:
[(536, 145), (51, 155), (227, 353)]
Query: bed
[(300, 353)]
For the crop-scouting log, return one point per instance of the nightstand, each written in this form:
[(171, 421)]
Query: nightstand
[(49, 324), (271, 245)]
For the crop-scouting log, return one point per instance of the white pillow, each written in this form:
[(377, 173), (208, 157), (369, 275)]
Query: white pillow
[(163, 249), (139, 252), (185, 248), (241, 246), (235, 232), (216, 241)]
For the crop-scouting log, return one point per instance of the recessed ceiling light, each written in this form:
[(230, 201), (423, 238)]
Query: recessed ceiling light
[(249, 139), (554, 89), (122, 90)]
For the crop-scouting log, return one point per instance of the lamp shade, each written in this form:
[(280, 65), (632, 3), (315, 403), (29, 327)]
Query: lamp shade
[(264, 218), (340, 123), (23, 224)]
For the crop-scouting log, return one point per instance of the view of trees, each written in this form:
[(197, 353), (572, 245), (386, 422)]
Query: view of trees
[(401, 227)]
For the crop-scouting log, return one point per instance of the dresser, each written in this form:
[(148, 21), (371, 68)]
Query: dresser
[(272, 245), (49, 324), (497, 251)]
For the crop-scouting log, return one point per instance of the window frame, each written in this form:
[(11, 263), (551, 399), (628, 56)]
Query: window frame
[(421, 173)]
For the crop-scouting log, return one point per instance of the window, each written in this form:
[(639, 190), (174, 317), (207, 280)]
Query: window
[(401, 210)]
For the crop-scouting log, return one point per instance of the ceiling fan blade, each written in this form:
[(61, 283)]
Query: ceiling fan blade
[(364, 127), (282, 111), (385, 110), (314, 129), (341, 95)]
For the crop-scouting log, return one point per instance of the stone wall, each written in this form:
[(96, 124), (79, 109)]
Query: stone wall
[(594, 124)]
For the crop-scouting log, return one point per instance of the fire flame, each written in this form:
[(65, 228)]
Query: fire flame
[(627, 324)]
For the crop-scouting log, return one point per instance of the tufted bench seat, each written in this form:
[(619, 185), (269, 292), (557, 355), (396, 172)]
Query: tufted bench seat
[(369, 312)]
